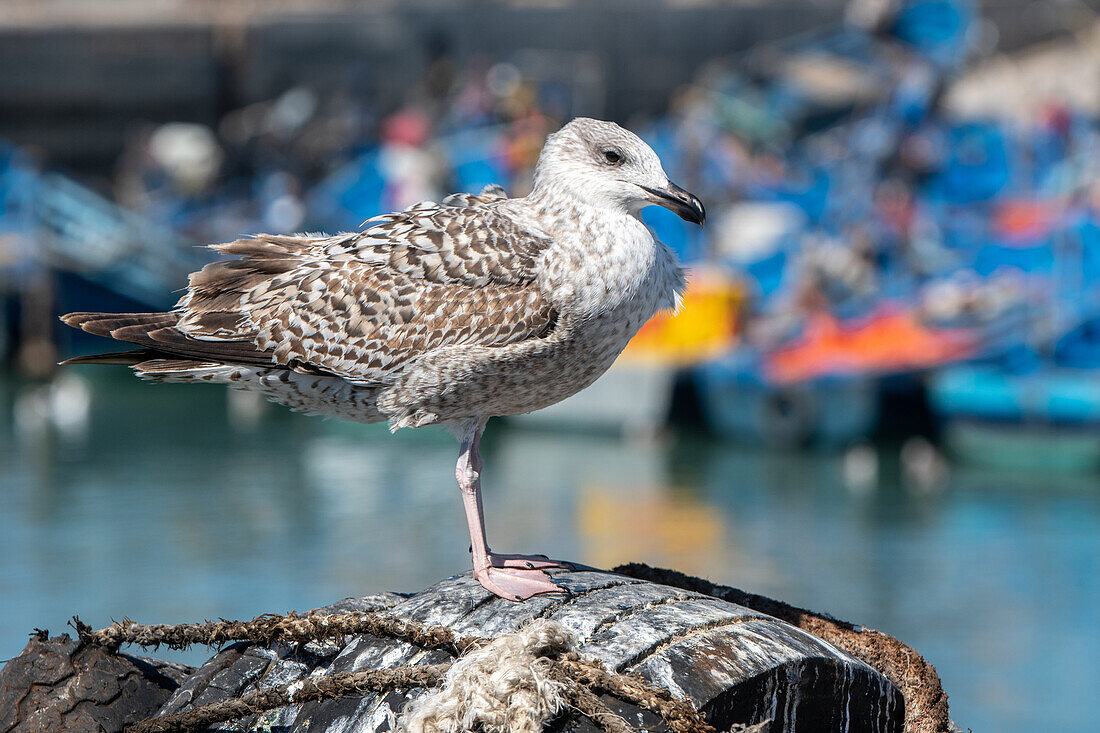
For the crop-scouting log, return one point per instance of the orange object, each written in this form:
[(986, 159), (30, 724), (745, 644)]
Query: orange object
[(891, 339), (1022, 219)]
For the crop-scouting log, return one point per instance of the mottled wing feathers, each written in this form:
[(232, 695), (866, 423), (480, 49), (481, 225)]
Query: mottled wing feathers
[(359, 305), (362, 306), (488, 195), (362, 322), (469, 245)]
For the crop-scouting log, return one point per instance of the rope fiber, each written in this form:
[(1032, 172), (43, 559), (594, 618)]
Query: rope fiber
[(576, 680)]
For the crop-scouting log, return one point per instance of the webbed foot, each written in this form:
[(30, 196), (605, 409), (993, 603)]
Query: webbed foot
[(516, 584)]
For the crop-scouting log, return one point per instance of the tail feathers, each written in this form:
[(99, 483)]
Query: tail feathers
[(146, 362), (119, 358), (162, 366), (157, 333), (103, 324), (171, 341)]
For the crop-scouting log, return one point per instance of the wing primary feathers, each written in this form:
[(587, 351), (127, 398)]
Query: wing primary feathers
[(118, 358), (358, 305), (157, 333)]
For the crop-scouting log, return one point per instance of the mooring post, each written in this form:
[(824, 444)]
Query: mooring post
[(666, 655)]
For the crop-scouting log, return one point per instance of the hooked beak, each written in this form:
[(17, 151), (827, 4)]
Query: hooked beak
[(680, 202)]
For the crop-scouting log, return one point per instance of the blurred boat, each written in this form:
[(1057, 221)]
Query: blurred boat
[(756, 239), (1026, 408), (1045, 419), (741, 404), (822, 387), (1049, 396), (48, 220), (891, 340), (704, 326)]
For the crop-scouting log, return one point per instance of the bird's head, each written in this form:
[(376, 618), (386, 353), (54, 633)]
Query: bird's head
[(609, 167)]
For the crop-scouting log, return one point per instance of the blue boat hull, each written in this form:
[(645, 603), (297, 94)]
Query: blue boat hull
[(1044, 420), (739, 406)]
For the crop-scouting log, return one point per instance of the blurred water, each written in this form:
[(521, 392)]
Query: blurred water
[(175, 503)]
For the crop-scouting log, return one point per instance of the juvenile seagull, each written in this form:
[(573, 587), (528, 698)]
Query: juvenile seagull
[(441, 314)]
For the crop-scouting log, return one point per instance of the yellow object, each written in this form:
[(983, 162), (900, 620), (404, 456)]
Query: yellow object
[(704, 327), (673, 529)]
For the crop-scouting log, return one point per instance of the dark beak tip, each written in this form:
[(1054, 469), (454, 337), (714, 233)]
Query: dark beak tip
[(693, 210), (684, 204)]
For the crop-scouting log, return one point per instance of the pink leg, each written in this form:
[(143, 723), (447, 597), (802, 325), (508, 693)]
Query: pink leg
[(497, 560), (514, 582)]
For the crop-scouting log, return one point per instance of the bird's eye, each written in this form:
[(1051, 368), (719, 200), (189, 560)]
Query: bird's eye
[(612, 156)]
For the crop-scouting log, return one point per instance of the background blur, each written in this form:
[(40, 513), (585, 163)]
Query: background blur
[(881, 399)]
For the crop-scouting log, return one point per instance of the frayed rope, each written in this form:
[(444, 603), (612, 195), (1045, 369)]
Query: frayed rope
[(506, 686), (522, 679), (323, 687), (270, 628)]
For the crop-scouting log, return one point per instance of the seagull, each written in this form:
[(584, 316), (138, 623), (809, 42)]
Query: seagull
[(441, 314)]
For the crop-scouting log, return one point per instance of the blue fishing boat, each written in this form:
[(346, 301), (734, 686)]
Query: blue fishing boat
[(1047, 418), (741, 404)]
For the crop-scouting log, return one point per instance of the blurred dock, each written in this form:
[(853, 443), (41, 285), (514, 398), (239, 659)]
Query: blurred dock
[(81, 75), (78, 74), (899, 201)]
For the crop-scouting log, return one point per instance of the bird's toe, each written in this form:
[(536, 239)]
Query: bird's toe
[(516, 584)]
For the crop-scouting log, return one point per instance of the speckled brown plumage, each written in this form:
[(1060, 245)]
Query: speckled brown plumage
[(356, 306), (361, 306), (444, 313)]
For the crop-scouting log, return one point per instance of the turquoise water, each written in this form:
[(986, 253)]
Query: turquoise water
[(176, 503)]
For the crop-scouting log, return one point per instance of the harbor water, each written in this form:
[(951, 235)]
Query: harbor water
[(176, 503)]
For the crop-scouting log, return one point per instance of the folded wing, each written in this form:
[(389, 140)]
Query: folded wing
[(360, 306)]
